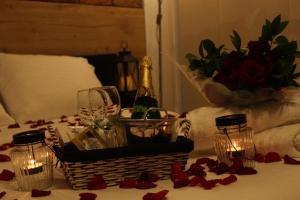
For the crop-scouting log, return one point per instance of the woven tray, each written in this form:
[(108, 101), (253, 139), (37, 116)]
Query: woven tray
[(116, 164)]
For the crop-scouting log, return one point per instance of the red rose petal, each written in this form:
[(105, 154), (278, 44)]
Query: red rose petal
[(2, 194), (128, 183), (145, 185), (195, 180), (201, 161), (72, 123), (272, 157), (179, 183), (229, 179), (6, 175), (40, 193), (259, 158), (63, 121), (236, 166), (6, 146), (182, 175), (97, 183), (208, 184), (4, 158), (63, 117), (196, 170), (291, 161), (161, 195), (246, 171), (176, 168), (16, 125), (221, 168), (87, 196)]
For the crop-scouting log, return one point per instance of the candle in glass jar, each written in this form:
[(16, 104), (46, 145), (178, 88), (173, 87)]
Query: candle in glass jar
[(235, 151), (33, 167)]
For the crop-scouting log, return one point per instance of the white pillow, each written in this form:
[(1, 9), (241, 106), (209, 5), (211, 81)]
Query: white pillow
[(5, 119), (41, 86)]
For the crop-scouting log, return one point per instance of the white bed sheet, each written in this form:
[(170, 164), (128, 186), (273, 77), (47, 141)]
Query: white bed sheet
[(276, 181)]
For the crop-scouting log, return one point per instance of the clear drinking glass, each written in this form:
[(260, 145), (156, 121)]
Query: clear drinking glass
[(105, 105), (83, 107)]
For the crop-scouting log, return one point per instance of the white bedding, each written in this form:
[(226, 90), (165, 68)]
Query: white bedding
[(274, 181)]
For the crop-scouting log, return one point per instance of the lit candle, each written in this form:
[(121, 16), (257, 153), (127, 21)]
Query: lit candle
[(33, 167), (235, 151)]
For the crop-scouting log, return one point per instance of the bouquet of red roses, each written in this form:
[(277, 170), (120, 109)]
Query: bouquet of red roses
[(267, 63)]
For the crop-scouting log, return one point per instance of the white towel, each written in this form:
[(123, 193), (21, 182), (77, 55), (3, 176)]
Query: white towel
[(283, 140), (260, 117)]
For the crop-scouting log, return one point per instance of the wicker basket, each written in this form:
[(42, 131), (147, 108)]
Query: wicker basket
[(124, 162)]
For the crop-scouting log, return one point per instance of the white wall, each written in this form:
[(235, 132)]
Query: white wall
[(186, 22)]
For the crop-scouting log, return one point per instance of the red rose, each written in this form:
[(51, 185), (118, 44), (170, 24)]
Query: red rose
[(252, 73), (257, 48)]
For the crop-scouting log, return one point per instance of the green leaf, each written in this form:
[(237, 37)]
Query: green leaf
[(209, 46), (275, 24), (190, 57), (236, 40), (201, 52), (282, 26), (266, 34), (281, 40)]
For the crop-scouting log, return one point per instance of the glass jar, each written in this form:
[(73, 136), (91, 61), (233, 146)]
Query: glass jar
[(234, 140), (32, 161)]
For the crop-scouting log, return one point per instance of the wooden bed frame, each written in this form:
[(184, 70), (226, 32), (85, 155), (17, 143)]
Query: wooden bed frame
[(70, 29)]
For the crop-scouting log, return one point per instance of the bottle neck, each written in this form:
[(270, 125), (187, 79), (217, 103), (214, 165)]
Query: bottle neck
[(145, 85)]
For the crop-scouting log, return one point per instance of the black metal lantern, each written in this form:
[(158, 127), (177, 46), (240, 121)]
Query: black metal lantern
[(127, 76)]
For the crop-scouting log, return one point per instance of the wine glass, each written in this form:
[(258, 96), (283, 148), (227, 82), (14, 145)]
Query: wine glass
[(83, 107), (105, 105)]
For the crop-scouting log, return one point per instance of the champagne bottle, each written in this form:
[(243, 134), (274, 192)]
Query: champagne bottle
[(145, 97)]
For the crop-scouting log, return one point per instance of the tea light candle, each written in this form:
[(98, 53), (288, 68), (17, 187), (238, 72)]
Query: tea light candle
[(235, 151), (33, 167)]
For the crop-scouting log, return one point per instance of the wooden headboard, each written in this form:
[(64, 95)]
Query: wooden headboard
[(70, 29)]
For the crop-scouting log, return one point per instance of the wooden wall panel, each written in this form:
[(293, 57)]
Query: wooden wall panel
[(73, 29), (121, 3)]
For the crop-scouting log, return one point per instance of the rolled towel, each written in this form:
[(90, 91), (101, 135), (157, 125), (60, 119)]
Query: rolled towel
[(283, 140), (260, 117)]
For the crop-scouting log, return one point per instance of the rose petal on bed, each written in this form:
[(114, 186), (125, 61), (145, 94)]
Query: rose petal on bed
[(145, 185), (40, 193), (87, 196), (196, 170), (181, 176), (221, 168), (179, 183), (246, 171), (63, 121), (16, 125), (6, 175), (259, 158), (228, 180), (71, 123), (176, 168), (97, 183), (128, 183), (272, 157), (6, 146), (208, 184), (4, 158), (291, 161), (195, 180), (236, 166), (2, 194), (201, 161), (161, 195)]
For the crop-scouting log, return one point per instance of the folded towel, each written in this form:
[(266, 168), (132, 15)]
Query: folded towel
[(260, 117), (283, 140)]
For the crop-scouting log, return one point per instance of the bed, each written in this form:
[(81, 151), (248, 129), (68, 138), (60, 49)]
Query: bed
[(31, 90)]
